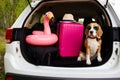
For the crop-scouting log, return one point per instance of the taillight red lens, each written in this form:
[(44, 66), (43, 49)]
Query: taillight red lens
[(9, 35), (9, 78)]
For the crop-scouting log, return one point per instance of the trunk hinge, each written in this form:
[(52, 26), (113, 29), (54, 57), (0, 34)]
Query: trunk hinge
[(30, 4), (106, 4)]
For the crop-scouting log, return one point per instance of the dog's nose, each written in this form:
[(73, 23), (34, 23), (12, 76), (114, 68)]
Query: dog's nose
[(91, 32)]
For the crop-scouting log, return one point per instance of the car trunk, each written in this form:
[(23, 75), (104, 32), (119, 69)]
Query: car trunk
[(81, 9)]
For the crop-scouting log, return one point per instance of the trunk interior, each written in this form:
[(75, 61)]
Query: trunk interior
[(85, 10)]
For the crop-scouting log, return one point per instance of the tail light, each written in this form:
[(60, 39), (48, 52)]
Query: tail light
[(9, 78), (9, 35)]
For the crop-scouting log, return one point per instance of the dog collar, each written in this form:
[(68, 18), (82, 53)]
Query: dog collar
[(94, 38), (98, 39)]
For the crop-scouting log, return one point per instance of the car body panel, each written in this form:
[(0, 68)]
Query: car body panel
[(108, 70), (26, 77)]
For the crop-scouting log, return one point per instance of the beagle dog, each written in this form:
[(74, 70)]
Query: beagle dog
[(92, 43)]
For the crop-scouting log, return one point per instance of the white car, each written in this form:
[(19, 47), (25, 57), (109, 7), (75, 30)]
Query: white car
[(28, 62)]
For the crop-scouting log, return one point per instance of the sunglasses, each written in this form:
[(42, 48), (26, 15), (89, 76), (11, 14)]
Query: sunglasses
[(95, 28)]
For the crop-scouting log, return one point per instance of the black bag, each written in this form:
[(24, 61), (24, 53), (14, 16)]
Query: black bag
[(41, 55)]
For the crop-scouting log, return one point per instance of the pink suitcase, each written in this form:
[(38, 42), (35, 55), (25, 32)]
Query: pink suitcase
[(70, 38)]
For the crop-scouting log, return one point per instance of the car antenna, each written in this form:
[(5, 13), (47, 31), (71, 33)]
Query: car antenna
[(106, 4), (30, 4)]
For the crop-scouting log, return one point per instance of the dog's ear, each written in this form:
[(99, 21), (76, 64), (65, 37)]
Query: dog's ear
[(86, 32), (99, 32)]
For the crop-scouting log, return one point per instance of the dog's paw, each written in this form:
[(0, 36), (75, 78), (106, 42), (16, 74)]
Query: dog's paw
[(88, 62), (99, 59), (79, 58)]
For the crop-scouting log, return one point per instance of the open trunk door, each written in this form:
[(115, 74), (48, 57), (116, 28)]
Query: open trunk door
[(33, 3), (103, 2), (115, 5)]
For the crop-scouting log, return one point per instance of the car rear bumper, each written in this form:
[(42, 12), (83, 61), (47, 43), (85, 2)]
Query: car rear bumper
[(28, 77)]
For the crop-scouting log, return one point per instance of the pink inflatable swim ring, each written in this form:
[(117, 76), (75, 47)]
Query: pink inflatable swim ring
[(43, 38)]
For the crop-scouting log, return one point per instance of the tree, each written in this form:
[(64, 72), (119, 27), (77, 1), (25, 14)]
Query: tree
[(20, 7), (2, 7), (10, 10)]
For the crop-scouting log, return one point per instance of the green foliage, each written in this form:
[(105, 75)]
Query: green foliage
[(20, 7), (10, 10), (2, 51), (2, 72), (2, 41), (41, 19)]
